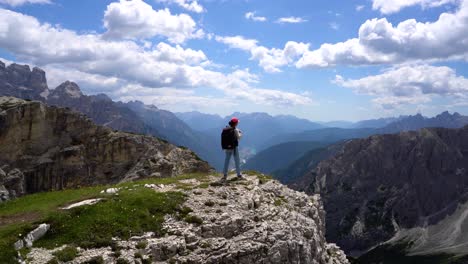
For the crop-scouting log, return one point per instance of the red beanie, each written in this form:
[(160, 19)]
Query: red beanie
[(234, 120)]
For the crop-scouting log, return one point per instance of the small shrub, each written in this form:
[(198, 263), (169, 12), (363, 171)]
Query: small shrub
[(205, 244), (117, 254), (147, 260), (67, 254), (95, 260), (183, 211), (115, 246), (122, 261), (262, 179), (209, 203), (204, 185), (142, 245), (138, 255), (193, 219)]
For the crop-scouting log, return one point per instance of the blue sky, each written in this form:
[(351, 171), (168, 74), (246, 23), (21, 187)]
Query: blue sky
[(321, 60)]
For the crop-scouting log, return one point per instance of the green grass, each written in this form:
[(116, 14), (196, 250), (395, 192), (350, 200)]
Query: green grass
[(67, 254), (43, 203), (262, 178), (129, 213), (142, 245), (8, 236), (193, 219)]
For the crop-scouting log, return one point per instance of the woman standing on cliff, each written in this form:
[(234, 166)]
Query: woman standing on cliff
[(230, 143)]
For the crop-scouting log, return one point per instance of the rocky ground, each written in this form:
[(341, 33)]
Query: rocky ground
[(256, 220)]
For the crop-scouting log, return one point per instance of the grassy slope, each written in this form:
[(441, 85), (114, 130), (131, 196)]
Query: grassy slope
[(135, 210)]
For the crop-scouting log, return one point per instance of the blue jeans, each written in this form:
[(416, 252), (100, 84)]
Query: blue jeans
[(229, 153)]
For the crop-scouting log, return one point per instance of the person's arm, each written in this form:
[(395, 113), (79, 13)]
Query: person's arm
[(238, 133)]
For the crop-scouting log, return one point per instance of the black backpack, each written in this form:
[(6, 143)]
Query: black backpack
[(228, 138)]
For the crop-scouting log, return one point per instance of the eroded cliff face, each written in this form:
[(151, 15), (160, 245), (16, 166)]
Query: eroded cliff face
[(45, 148), (375, 186)]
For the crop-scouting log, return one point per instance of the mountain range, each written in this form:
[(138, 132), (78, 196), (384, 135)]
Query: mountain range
[(22, 82), (397, 188)]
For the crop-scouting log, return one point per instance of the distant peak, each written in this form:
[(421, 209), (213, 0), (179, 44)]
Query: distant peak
[(102, 97), (2, 64), (70, 89), (19, 67)]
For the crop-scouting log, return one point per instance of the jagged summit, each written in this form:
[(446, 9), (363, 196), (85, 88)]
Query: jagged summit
[(19, 81), (67, 89)]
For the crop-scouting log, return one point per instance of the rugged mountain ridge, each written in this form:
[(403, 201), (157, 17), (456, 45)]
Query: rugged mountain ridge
[(22, 82), (45, 148), (376, 186)]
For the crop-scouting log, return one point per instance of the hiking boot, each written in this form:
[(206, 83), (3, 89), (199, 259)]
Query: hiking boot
[(241, 177), (223, 180)]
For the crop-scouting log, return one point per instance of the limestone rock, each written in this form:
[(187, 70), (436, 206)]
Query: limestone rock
[(32, 236), (245, 221)]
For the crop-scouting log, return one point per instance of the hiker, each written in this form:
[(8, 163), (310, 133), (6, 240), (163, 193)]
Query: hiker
[(230, 141)]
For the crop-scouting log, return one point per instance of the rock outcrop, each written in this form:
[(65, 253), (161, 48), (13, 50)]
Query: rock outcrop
[(45, 148), (375, 186), (19, 81), (249, 221)]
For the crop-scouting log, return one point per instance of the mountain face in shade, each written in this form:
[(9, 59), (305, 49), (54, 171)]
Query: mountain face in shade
[(19, 81), (99, 108), (280, 156), (375, 186), (45, 148), (296, 174)]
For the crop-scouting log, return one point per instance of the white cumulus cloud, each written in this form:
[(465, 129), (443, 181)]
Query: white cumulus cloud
[(15, 3), (271, 60), (252, 16), (290, 20), (409, 84), (380, 42), (92, 59), (190, 5), (136, 19), (394, 6)]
